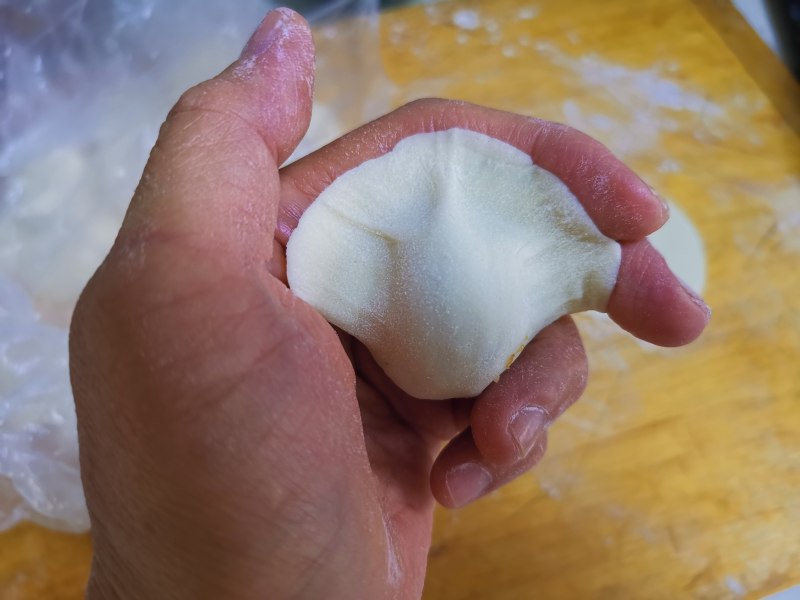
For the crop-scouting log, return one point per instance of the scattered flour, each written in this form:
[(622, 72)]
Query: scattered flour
[(509, 51), (643, 87), (466, 19), (638, 105), (735, 586), (669, 166), (492, 26), (527, 13)]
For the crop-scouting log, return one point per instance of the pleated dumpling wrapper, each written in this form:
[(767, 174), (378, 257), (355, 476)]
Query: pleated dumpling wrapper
[(446, 256)]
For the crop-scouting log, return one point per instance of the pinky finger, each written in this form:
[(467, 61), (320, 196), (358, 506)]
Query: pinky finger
[(461, 475)]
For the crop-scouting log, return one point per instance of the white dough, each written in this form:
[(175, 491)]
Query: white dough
[(446, 256), (680, 244)]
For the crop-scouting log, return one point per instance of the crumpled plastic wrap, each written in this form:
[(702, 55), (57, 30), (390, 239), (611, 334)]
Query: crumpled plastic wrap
[(84, 86)]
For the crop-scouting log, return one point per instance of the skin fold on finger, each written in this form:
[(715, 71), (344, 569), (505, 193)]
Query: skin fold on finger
[(461, 474), (650, 302), (619, 202), (511, 415)]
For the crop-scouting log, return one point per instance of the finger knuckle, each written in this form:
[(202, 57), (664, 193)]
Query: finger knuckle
[(202, 96)]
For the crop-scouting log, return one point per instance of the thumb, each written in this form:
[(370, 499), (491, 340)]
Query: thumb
[(186, 274), (164, 316), (198, 232), (213, 174)]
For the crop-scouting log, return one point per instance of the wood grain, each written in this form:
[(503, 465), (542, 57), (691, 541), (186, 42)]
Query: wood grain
[(677, 474)]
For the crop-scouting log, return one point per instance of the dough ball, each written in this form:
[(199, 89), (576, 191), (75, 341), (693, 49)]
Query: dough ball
[(445, 256)]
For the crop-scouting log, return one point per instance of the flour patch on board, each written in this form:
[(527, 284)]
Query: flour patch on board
[(630, 109), (527, 13), (680, 244), (785, 203), (466, 19)]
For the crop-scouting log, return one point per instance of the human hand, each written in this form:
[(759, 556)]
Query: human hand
[(232, 444)]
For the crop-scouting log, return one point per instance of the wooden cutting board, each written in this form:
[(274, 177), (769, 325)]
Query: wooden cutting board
[(678, 474)]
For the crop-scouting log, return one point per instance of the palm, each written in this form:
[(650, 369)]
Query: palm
[(399, 452), (401, 460)]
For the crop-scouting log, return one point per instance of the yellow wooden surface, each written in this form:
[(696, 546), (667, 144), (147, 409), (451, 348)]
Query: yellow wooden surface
[(678, 474), (36, 564)]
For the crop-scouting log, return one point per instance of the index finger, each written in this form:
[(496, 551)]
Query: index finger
[(622, 205)]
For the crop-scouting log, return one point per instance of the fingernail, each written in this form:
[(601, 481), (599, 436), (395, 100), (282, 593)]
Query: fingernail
[(664, 203), (467, 482), (525, 428), (270, 30), (657, 196), (695, 298)]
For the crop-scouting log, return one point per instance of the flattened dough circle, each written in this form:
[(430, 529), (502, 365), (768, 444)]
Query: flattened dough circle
[(445, 256)]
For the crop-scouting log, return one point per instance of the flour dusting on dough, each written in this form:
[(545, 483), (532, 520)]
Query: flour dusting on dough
[(444, 287)]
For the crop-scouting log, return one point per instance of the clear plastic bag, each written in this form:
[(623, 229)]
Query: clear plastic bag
[(84, 86)]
